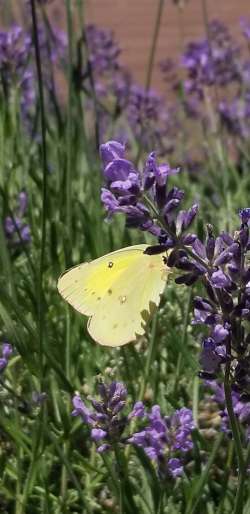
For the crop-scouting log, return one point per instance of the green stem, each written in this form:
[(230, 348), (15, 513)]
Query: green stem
[(145, 376), (38, 438), (232, 418), (66, 446), (154, 44), (183, 343), (196, 493), (238, 507), (239, 501), (41, 317), (126, 500), (69, 128), (12, 392), (151, 60), (226, 477), (160, 509), (150, 355), (119, 481)]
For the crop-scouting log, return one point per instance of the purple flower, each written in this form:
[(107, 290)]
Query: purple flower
[(209, 62), (210, 360), (17, 232), (245, 214), (39, 398), (111, 151), (220, 280), (138, 410), (98, 434), (220, 262), (127, 189), (103, 50), (245, 26), (6, 352), (81, 410), (15, 70), (185, 218), (220, 333), (204, 312), (105, 420), (151, 120), (162, 437), (241, 406), (175, 467)]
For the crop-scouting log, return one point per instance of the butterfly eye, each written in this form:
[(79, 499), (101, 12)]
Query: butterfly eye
[(110, 264)]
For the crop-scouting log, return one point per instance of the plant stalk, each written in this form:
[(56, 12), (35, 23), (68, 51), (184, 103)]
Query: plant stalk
[(41, 314)]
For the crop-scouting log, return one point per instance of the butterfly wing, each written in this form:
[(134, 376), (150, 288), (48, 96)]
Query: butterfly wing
[(119, 292)]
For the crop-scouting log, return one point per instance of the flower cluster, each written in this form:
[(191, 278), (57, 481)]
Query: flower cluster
[(17, 232), (220, 262), (15, 69), (151, 120), (216, 85), (223, 268), (6, 352), (227, 305), (102, 49), (241, 406), (17, 63), (211, 61), (53, 45), (106, 420), (141, 111), (132, 193), (219, 61), (165, 439)]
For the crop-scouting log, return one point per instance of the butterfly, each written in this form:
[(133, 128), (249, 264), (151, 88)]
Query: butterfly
[(118, 292)]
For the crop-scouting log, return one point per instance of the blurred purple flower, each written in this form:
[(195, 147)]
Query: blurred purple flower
[(6, 352), (245, 27), (15, 68), (211, 61), (241, 406), (102, 48), (17, 232)]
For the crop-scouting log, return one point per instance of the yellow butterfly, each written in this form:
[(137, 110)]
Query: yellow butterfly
[(118, 292)]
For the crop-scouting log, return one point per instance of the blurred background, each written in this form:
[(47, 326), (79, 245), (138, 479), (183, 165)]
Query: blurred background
[(133, 25)]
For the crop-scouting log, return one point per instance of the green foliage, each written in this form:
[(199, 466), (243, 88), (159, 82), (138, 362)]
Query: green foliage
[(47, 462)]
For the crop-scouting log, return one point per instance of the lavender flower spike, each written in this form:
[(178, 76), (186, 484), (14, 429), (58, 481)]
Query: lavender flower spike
[(105, 420)]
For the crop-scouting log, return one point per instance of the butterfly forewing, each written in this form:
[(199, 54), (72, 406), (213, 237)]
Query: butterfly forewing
[(126, 308), (118, 291), (86, 284)]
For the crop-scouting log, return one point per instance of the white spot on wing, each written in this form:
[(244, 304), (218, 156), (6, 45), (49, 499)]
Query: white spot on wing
[(122, 299)]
